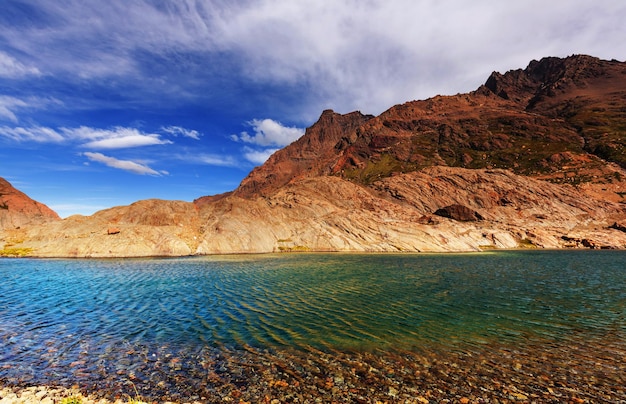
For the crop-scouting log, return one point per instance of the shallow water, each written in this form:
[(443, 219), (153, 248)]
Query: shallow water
[(191, 326)]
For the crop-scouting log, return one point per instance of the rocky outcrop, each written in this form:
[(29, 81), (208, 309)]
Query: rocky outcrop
[(459, 212), (533, 158), (332, 214), (586, 93), (145, 228), (17, 209), (549, 77), (618, 226)]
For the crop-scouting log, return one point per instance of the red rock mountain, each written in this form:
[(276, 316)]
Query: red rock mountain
[(310, 156), (558, 119), (17, 209), (534, 158)]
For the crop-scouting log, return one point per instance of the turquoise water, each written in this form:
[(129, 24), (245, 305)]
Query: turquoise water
[(57, 316)]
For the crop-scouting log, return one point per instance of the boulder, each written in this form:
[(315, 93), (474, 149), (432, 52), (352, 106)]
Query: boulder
[(618, 226), (459, 212)]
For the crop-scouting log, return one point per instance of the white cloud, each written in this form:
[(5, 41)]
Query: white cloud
[(86, 137), (11, 68), (127, 165), (348, 55), (124, 142), (33, 134), (8, 105), (209, 159), (116, 138), (372, 54), (177, 130), (268, 132), (258, 156)]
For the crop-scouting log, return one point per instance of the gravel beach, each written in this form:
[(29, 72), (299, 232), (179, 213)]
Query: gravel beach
[(545, 373), (54, 395)]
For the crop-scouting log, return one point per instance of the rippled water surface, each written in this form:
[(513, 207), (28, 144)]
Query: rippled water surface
[(102, 320)]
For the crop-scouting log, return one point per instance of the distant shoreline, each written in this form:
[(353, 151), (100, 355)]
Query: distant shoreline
[(312, 252)]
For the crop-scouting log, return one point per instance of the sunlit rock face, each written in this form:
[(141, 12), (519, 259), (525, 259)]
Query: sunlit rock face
[(17, 209), (534, 158)]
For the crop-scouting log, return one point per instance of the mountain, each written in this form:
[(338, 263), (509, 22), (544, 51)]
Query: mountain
[(534, 158), (17, 209), (559, 119)]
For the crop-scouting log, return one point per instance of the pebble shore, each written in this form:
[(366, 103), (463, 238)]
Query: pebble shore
[(55, 395), (46, 395), (576, 373)]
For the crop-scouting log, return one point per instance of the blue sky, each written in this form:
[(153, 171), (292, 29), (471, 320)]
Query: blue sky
[(103, 103)]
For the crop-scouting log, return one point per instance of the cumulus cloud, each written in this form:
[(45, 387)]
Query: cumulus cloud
[(268, 132), (179, 131), (258, 156), (116, 138), (127, 165)]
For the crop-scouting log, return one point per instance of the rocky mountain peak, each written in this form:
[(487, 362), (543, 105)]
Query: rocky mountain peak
[(310, 155), (549, 77)]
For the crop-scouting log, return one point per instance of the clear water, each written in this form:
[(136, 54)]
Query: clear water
[(57, 316)]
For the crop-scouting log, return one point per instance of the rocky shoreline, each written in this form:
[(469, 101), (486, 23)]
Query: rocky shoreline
[(56, 394), (546, 372), (46, 395)]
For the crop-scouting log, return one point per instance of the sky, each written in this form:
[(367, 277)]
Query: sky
[(103, 103)]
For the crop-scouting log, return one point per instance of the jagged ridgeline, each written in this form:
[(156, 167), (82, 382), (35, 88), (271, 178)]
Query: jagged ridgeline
[(534, 158), (559, 119)]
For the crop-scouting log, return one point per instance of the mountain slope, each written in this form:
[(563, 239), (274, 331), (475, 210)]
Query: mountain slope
[(398, 214), (17, 209), (533, 158)]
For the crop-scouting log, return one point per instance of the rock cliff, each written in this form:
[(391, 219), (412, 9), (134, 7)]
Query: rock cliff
[(534, 158)]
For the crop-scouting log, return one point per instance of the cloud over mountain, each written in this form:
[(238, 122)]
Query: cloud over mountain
[(350, 54), (267, 132)]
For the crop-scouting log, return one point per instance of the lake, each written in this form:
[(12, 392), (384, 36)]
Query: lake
[(548, 326)]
